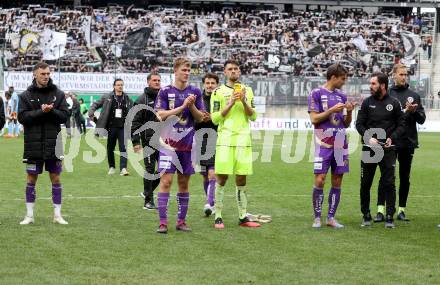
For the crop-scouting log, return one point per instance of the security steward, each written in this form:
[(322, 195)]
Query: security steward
[(380, 122), (405, 145)]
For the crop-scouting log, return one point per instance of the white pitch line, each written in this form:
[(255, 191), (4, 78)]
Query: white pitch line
[(192, 195)]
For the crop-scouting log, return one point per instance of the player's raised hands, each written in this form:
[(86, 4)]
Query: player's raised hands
[(337, 108), (243, 95), (206, 117), (350, 106), (189, 100)]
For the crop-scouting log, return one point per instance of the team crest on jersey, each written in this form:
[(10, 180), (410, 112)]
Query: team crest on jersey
[(389, 107), (171, 100), (410, 100)]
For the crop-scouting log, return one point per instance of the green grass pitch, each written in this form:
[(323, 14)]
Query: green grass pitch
[(112, 240)]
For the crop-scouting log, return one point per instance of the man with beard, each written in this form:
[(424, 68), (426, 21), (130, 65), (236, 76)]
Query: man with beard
[(405, 145), (330, 113), (150, 148), (232, 107), (380, 122), (42, 109)]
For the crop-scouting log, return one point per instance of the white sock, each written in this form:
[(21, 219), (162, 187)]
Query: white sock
[(57, 210), (30, 209)]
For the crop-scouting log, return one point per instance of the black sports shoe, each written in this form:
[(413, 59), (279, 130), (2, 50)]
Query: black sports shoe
[(218, 224), (389, 223), (401, 217), (379, 218), (366, 220), (150, 206)]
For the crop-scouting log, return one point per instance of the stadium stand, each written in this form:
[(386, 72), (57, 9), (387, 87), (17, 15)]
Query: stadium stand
[(267, 42)]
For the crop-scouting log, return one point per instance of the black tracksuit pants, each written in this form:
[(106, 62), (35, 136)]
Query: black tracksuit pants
[(405, 157), (150, 185), (116, 135), (386, 183)]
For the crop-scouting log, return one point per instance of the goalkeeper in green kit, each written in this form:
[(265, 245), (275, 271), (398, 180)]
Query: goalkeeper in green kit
[(232, 106)]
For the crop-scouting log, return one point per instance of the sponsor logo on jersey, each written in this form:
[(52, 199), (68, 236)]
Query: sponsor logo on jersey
[(171, 100)]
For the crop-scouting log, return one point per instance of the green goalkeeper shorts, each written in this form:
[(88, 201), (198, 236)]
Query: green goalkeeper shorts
[(233, 160)]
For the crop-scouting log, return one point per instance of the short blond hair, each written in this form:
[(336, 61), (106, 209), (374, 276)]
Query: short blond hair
[(398, 66), (181, 61)]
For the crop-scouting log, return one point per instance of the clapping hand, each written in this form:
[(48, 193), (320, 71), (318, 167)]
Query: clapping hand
[(46, 108), (411, 107)]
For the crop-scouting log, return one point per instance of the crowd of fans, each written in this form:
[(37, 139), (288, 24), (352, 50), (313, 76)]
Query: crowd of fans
[(267, 42)]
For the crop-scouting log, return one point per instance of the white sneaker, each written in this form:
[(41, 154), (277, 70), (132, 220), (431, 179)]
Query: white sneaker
[(208, 210), (59, 220), (316, 223), (111, 171), (27, 220), (124, 172), (334, 224)]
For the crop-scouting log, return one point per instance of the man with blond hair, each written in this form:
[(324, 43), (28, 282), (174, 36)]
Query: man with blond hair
[(183, 103)]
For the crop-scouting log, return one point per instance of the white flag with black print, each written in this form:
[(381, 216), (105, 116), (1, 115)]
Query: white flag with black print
[(411, 43), (53, 44)]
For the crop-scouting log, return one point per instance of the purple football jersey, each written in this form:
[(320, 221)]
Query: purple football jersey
[(320, 100), (170, 98)]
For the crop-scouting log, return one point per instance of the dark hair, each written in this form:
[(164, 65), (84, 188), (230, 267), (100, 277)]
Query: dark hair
[(81, 100), (41, 65), (382, 78), (153, 73), (210, 75), (116, 80), (8, 94), (231, 61), (337, 70)]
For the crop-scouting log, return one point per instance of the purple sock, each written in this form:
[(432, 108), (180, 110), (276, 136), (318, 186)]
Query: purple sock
[(182, 204), (211, 192), (318, 197), (205, 185), (162, 206), (56, 194), (30, 193), (333, 201)]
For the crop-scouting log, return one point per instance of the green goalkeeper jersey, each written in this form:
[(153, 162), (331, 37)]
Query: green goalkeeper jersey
[(234, 129)]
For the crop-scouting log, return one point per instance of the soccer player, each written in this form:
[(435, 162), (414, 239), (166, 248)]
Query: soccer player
[(184, 101), (115, 107), (379, 112), (330, 113), (232, 108), (210, 82), (150, 160), (42, 109), (405, 145)]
